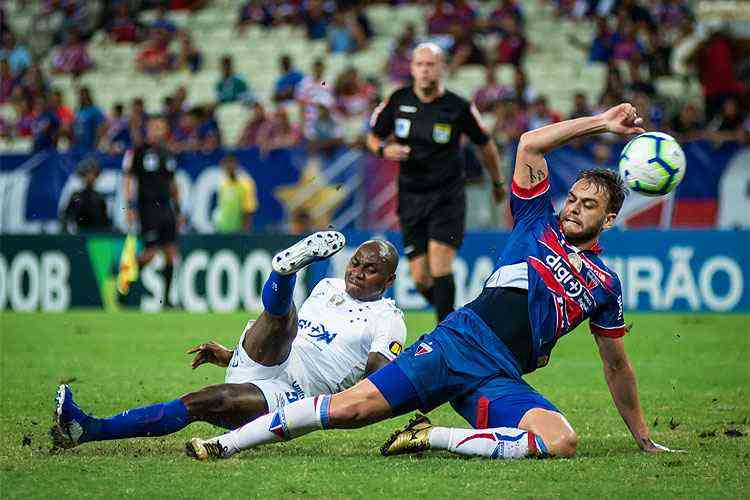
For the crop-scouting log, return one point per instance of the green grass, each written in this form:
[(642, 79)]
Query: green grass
[(692, 370)]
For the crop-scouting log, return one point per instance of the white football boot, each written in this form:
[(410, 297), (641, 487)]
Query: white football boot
[(317, 246)]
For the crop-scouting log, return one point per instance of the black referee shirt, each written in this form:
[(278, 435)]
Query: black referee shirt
[(433, 132), (154, 168)]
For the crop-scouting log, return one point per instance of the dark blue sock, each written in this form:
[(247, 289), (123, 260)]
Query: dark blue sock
[(277, 293), (155, 420)]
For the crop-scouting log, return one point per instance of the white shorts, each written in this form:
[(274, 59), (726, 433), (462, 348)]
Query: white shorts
[(275, 382)]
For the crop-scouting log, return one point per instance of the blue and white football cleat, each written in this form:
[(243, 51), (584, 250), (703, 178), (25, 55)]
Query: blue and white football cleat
[(69, 420), (317, 246)]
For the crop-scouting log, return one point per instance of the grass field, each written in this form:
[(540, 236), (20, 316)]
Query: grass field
[(693, 379)]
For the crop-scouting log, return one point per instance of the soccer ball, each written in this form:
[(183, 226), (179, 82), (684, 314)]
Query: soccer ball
[(652, 164)]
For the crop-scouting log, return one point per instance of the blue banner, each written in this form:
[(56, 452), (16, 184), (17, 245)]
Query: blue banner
[(34, 189)]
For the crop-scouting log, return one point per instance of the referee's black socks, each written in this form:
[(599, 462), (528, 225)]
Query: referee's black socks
[(168, 273), (443, 295)]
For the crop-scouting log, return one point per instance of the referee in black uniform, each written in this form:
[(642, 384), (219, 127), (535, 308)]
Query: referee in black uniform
[(157, 206), (420, 126)]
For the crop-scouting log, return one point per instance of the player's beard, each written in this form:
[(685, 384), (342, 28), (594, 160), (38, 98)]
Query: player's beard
[(586, 234)]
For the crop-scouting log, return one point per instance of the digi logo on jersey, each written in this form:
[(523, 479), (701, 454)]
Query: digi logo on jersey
[(573, 288), (316, 331)]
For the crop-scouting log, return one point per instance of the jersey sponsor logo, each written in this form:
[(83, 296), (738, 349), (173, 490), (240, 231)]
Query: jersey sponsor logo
[(441, 133), (407, 109), (423, 348), (317, 331), (395, 347), (402, 126)]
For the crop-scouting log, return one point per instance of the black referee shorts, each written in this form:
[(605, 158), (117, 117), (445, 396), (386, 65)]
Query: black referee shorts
[(158, 225), (439, 216)]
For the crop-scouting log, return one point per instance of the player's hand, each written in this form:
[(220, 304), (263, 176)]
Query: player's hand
[(623, 119), (210, 352), (649, 446), (498, 194), (396, 152)]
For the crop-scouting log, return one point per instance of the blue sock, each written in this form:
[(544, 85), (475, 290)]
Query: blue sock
[(277, 293), (155, 420)]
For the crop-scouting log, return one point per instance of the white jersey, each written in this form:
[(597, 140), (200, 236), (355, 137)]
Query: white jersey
[(336, 333)]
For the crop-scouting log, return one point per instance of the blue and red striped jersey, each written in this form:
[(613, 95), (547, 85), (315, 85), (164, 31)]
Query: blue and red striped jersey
[(565, 285)]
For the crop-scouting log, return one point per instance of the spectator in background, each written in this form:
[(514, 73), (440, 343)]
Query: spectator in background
[(154, 56), (162, 22), (441, 19), (122, 26), (237, 199), (7, 81), (506, 8), (71, 57), (398, 66), (87, 208), (488, 95), (189, 57), (287, 83), (25, 114), (360, 19), (184, 138), (512, 120), (311, 92), (118, 130), (209, 133), (541, 114), (252, 13), (686, 125), (729, 124), (511, 48), (602, 46), (344, 34), (316, 19), (137, 122), (171, 112), (90, 125), (626, 45), (521, 88), (181, 99), (717, 70), (250, 132), (278, 133), (17, 55), (33, 83), (326, 135), (44, 126), (464, 50), (352, 94), (581, 106), (64, 113), (231, 87)]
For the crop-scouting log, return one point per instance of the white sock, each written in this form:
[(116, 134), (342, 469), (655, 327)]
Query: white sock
[(499, 442), (289, 422)]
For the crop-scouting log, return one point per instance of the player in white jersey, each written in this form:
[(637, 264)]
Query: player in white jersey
[(344, 331)]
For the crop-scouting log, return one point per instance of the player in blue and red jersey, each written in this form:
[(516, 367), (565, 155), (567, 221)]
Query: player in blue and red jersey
[(548, 280)]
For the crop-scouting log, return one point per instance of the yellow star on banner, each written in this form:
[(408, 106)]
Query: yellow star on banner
[(313, 193)]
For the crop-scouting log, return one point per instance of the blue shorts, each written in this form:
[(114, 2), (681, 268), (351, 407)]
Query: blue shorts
[(463, 362)]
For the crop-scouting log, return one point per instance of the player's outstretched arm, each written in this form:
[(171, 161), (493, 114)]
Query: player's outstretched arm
[(531, 167), (620, 378)]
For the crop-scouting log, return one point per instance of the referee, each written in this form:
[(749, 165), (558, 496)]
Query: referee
[(420, 127), (157, 207)]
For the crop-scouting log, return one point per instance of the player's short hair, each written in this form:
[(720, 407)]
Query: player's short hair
[(611, 182)]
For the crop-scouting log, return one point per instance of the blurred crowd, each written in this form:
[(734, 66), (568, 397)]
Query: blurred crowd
[(637, 42)]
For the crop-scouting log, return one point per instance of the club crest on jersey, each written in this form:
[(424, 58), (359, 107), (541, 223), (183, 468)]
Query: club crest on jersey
[(336, 300), (395, 347), (423, 349), (402, 126), (575, 261), (441, 133)]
